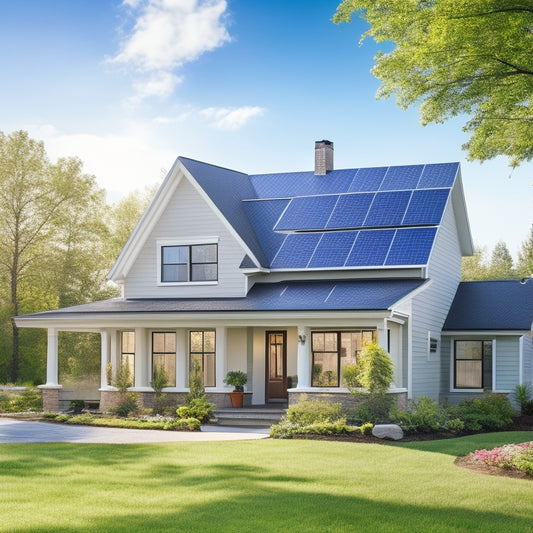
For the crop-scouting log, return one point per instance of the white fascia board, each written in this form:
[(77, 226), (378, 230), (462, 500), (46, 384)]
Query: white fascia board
[(235, 319), (488, 333), (146, 224), (218, 213), (461, 216)]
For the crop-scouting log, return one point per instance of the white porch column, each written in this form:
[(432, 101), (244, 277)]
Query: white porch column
[(114, 353), (142, 378), (304, 357), (382, 335), (220, 356), (51, 359), (105, 340), (182, 378)]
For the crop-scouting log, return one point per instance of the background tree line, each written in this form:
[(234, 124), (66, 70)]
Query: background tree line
[(58, 240)]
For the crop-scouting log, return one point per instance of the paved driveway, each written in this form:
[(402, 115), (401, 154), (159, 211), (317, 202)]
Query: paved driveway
[(13, 431)]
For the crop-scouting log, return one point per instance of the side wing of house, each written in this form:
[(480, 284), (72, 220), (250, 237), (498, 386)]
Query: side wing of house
[(487, 343)]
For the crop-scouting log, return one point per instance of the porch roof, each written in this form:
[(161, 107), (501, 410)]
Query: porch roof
[(340, 295)]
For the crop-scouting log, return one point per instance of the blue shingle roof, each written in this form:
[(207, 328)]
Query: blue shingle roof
[(491, 305), (360, 295), (263, 208)]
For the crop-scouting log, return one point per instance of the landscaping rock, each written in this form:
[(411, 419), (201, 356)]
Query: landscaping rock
[(387, 431)]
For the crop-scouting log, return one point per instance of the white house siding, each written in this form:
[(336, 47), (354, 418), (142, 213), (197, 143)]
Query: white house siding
[(429, 308), (236, 349), (507, 364), (527, 360), (187, 216)]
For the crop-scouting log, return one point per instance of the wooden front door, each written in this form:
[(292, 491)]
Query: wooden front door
[(276, 365)]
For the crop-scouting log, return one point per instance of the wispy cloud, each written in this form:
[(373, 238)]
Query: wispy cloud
[(166, 35), (231, 118)]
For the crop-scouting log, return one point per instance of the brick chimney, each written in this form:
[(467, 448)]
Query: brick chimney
[(323, 157)]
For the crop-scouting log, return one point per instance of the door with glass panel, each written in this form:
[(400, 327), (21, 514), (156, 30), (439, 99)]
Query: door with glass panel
[(276, 365)]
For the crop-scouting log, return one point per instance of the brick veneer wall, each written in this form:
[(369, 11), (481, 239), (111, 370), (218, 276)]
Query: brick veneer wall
[(347, 400)]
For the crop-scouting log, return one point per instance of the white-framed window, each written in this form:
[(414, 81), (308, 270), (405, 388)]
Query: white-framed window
[(194, 261), (472, 368), (202, 355), (127, 352)]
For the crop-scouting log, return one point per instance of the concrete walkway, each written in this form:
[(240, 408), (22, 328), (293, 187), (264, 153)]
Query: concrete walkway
[(19, 431)]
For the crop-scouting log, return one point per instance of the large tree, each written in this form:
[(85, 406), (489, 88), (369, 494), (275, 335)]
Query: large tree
[(456, 57), (45, 209), (525, 257)]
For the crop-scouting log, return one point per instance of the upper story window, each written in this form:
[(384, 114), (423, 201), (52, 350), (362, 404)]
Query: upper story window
[(186, 263)]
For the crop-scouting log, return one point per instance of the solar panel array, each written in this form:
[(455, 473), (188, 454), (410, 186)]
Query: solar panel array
[(355, 218), (364, 210), (363, 248)]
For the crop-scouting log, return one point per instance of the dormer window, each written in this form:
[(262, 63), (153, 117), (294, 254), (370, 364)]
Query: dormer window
[(196, 262)]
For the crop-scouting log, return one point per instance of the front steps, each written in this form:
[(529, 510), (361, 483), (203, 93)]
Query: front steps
[(261, 416)]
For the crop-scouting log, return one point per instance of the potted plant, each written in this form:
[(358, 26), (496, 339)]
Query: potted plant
[(238, 379)]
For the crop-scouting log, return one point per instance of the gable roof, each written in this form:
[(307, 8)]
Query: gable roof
[(491, 305)]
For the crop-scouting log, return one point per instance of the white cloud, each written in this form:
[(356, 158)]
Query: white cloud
[(121, 162), (166, 35), (231, 118)]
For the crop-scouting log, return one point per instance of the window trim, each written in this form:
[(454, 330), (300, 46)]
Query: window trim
[(161, 243)]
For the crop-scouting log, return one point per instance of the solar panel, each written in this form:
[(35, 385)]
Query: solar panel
[(411, 246), (401, 178), (368, 179), (438, 175), (335, 181), (370, 248), (296, 250), (350, 211), (426, 207), (306, 213), (333, 249), (387, 209)]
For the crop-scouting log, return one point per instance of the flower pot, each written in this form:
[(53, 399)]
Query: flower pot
[(236, 398)]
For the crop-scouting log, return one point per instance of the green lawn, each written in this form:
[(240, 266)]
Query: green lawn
[(269, 485)]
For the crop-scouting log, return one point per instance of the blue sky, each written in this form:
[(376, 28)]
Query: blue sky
[(129, 85)]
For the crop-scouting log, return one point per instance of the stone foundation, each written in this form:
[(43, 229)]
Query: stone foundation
[(50, 399)]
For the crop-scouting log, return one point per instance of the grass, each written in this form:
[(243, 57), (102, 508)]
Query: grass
[(269, 485)]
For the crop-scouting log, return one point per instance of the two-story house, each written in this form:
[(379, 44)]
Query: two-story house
[(286, 276)]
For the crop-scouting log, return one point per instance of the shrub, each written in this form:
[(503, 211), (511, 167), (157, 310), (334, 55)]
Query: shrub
[(28, 400), (366, 429), (159, 381), (286, 430), (491, 412), (198, 408), (237, 379), (127, 405), (77, 406), (123, 378), (523, 397), (190, 424), (313, 411), (375, 408), (85, 418), (376, 370), (422, 415), (527, 408)]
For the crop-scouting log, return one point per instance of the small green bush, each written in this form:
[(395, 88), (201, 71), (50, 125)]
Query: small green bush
[(376, 370), (85, 418), (77, 406), (423, 415), (286, 430), (309, 412), (198, 408), (189, 424), (20, 402), (366, 429), (523, 395), (455, 425), (491, 412), (375, 408), (127, 405)]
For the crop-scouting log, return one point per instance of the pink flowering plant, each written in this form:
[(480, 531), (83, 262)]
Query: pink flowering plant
[(510, 456)]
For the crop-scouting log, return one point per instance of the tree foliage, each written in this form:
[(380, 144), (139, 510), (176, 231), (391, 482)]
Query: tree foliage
[(458, 57), (525, 257), (500, 266)]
